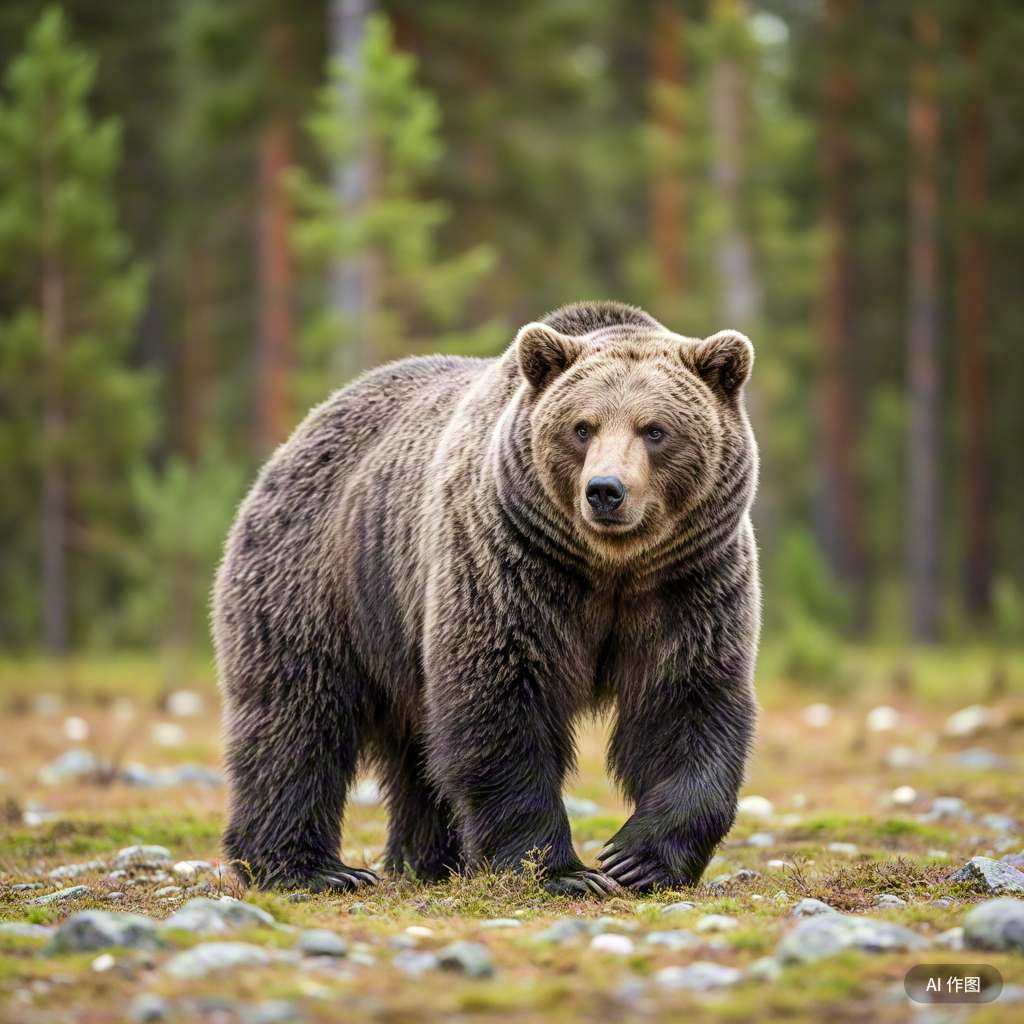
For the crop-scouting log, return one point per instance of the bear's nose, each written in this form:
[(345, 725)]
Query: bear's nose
[(605, 493)]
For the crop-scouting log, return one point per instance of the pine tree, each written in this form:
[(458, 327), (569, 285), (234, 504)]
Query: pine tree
[(414, 296), (73, 407)]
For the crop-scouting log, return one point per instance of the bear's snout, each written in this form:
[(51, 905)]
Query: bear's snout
[(605, 493)]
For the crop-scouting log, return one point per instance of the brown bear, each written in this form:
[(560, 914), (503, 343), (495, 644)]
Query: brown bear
[(451, 561)]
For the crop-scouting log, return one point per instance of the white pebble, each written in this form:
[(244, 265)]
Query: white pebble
[(420, 931), (716, 923), (756, 806), (904, 795), (967, 720), (76, 729), (103, 963), (167, 734), (185, 704), (882, 719), (818, 716), (184, 870), (622, 945)]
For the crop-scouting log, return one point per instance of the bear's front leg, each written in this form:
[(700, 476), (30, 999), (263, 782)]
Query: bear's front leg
[(679, 749), (499, 749)]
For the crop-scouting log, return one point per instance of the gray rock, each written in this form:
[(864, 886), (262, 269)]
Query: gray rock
[(761, 840), (844, 849), (143, 857), (580, 807), (24, 930), (948, 807), (941, 901), (674, 940), (1012, 994), (1000, 823), (887, 899), (829, 934), (501, 922), (678, 908), (115, 897), (562, 931), (168, 890), (766, 969), (951, 938), (992, 876), (981, 760), (997, 924), (101, 929), (77, 870), (414, 963), (604, 924), (1013, 859), (27, 886), (471, 958), (74, 892), (214, 917), (292, 897), (700, 976), (743, 875), (273, 1011), (72, 764), (321, 942), (810, 907), (149, 1007), (210, 957)]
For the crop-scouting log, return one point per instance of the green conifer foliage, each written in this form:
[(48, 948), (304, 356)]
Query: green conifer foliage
[(75, 414)]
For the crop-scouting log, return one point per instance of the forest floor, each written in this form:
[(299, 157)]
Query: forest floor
[(847, 816)]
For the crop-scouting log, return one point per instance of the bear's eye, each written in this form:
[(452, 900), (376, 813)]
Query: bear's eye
[(655, 433), (582, 431)]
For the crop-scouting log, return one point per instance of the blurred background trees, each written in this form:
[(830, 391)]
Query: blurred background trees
[(206, 225)]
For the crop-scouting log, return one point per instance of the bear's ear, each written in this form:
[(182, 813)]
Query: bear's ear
[(723, 362), (544, 353)]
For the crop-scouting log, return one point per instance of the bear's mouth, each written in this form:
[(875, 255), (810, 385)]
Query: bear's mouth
[(611, 523)]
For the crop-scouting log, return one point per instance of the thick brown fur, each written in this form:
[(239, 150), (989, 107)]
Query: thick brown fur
[(419, 579)]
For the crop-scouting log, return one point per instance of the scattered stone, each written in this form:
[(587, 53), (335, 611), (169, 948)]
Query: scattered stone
[(967, 721), (938, 854), (903, 796), (24, 930), (168, 890), (887, 899), (948, 807), (115, 897), (699, 976), (678, 908), (779, 864), (561, 931), (993, 876), (952, 938), (101, 929), (30, 886), (580, 807), (829, 934), (501, 922), (621, 945), (419, 931), (72, 764), (716, 923), (978, 759), (143, 857), (134, 773), (74, 892), (1000, 823), (730, 878), (77, 870), (997, 924), (355, 909), (761, 840), (104, 962), (365, 793), (674, 940), (1013, 859), (273, 1011), (321, 942), (211, 957), (185, 704), (470, 958), (844, 849), (782, 898), (400, 942), (293, 897), (755, 806), (766, 969), (149, 1007), (604, 924), (882, 719), (208, 917), (902, 756), (415, 963), (1012, 994), (818, 716)]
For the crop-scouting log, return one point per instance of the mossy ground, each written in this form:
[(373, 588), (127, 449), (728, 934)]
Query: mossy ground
[(828, 785)]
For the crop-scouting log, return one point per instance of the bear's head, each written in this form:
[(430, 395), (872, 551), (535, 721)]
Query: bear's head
[(633, 428)]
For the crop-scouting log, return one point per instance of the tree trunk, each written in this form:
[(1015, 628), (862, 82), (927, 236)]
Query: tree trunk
[(737, 282), (668, 200), (923, 330), (54, 511), (275, 267), (351, 277), (972, 145), (197, 361), (842, 512)]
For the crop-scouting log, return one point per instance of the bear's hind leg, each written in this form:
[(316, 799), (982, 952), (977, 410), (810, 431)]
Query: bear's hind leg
[(422, 837), (290, 762)]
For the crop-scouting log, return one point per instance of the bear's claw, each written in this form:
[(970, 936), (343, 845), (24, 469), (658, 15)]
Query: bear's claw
[(339, 876), (587, 882)]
